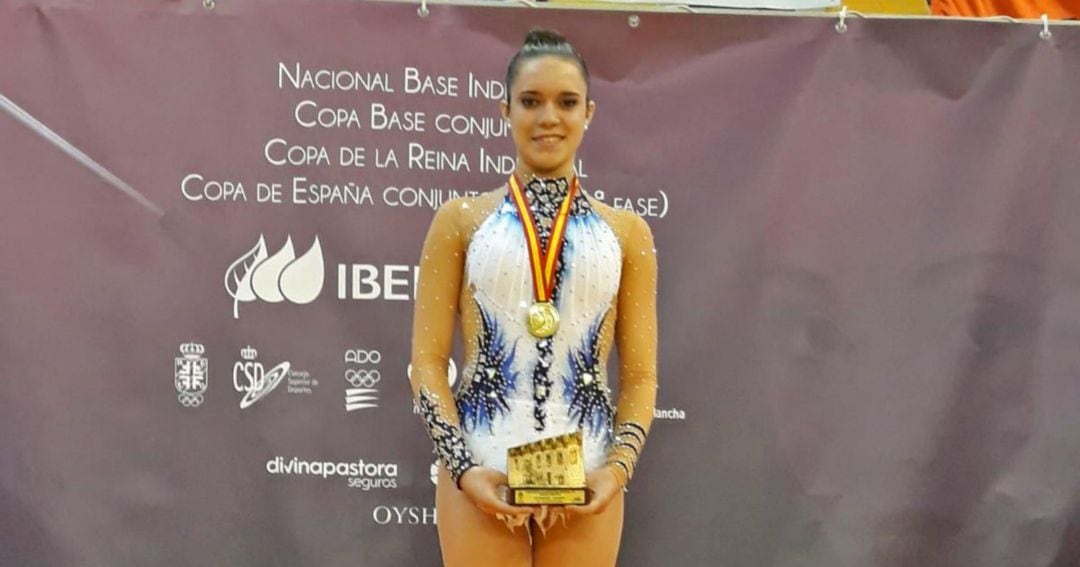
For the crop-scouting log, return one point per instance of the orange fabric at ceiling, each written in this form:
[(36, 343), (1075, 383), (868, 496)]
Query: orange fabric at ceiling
[(1055, 9)]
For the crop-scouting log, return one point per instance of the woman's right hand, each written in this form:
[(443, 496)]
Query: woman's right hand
[(486, 488)]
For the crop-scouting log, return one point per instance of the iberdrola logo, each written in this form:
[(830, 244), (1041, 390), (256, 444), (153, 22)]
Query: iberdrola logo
[(277, 277)]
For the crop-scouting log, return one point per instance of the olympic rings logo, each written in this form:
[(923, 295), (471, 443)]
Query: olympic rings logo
[(360, 356), (190, 400), (362, 378)]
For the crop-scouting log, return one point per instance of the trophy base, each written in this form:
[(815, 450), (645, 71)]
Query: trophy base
[(548, 496)]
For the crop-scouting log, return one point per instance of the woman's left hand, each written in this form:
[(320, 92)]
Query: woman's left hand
[(604, 485)]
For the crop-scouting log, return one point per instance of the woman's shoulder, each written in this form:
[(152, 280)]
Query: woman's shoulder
[(467, 210), (624, 222), (488, 199)]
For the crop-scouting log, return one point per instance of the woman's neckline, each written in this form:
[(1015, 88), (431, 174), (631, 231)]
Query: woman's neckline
[(533, 178), (557, 188), (544, 197)]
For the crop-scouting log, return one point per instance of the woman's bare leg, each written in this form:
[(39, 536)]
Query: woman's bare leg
[(585, 541), (471, 538)]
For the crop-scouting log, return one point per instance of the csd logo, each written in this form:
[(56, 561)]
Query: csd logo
[(252, 379)]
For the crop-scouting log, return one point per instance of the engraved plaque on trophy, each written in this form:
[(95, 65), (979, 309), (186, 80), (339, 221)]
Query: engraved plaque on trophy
[(550, 471)]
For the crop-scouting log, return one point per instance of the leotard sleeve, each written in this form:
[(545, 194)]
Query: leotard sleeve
[(438, 288), (635, 337)]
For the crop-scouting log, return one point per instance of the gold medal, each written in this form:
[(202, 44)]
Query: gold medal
[(543, 319)]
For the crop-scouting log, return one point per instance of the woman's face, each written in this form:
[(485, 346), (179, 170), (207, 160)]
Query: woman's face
[(548, 112)]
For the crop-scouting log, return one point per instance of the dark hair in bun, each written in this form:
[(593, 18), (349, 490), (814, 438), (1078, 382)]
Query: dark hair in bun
[(540, 42)]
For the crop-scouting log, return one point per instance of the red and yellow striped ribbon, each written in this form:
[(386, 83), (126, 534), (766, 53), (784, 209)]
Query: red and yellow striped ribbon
[(542, 263)]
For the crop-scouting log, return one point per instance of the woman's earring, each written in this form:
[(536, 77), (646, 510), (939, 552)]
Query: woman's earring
[(586, 125)]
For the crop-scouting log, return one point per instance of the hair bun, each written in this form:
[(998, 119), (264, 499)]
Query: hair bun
[(540, 42), (538, 37)]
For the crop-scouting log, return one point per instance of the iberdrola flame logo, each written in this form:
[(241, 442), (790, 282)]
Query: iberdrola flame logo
[(275, 278)]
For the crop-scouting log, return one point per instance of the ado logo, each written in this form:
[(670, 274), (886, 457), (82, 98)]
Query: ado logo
[(253, 380), (360, 356), (360, 391), (274, 278)]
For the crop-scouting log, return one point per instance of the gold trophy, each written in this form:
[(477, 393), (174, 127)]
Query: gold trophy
[(550, 471)]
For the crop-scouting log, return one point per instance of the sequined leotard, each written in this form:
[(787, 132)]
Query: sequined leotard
[(516, 388)]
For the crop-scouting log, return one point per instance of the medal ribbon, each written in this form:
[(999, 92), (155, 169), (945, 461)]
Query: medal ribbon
[(542, 264)]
